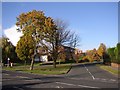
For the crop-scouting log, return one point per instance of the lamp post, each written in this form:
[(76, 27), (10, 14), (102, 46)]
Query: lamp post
[(8, 62)]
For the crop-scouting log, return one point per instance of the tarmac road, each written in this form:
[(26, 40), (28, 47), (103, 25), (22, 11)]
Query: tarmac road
[(80, 76)]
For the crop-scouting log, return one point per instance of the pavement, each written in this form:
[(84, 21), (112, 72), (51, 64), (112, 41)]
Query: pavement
[(80, 76)]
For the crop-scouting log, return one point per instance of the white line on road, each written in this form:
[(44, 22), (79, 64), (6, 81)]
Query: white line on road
[(18, 88), (87, 86), (112, 80), (76, 85), (65, 83), (107, 80), (29, 79), (22, 77), (6, 74), (33, 80), (89, 72), (59, 87), (98, 79), (6, 79)]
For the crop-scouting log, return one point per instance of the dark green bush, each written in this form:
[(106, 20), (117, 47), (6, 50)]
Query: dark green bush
[(114, 54)]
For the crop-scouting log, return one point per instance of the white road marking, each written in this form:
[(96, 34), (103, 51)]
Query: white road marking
[(107, 80), (89, 72), (59, 87), (22, 77), (18, 88), (33, 80), (103, 79), (6, 74), (78, 78), (87, 86), (6, 79), (65, 83), (112, 80), (99, 79), (76, 85), (29, 79)]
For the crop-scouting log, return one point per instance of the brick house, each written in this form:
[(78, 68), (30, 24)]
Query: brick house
[(66, 53)]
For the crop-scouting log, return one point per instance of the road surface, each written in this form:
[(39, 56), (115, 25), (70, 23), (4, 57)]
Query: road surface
[(80, 76)]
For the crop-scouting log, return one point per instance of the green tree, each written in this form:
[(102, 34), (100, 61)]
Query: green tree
[(117, 53), (25, 47), (8, 50), (111, 53)]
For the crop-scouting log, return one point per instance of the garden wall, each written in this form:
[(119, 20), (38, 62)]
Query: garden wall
[(115, 65)]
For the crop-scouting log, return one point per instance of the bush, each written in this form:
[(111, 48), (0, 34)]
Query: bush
[(114, 54), (117, 53), (106, 58)]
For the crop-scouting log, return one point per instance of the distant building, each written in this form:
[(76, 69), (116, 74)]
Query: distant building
[(69, 52), (66, 53), (43, 54), (77, 51)]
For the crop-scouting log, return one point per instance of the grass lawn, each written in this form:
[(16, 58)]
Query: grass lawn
[(110, 69), (41, 69)]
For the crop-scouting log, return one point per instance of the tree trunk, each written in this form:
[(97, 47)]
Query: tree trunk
[(77, 61), (25, 63), (54, 63), (54, 57), (32, 63)]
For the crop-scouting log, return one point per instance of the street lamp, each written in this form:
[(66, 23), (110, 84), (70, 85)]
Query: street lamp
[(8, 62)]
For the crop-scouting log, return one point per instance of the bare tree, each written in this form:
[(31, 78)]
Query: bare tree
[(59, 37)]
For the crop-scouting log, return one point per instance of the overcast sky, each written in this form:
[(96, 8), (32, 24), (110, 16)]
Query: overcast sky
[(94, 23)]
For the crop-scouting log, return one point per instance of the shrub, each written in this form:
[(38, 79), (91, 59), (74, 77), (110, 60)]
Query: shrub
[(117, 53), (114, 54)]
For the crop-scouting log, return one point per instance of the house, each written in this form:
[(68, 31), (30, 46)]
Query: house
[(43, 53), (77, 51), (66, 53)]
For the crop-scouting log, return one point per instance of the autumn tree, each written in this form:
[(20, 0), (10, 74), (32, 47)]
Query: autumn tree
[(46, 32), (62, 55), (95, 55), (92, 55), (37, 25), (102, 50), (89, 55)]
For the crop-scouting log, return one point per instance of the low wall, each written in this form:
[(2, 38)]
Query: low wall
[(115, 65)]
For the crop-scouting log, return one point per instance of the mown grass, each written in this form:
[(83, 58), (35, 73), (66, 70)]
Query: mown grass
[(110, 69), (41, 69)]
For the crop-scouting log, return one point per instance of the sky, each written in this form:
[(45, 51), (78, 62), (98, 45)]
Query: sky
[(93, 22)]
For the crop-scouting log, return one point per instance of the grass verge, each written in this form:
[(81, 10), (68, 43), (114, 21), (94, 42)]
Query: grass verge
[(110, 69), (44, 69)]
